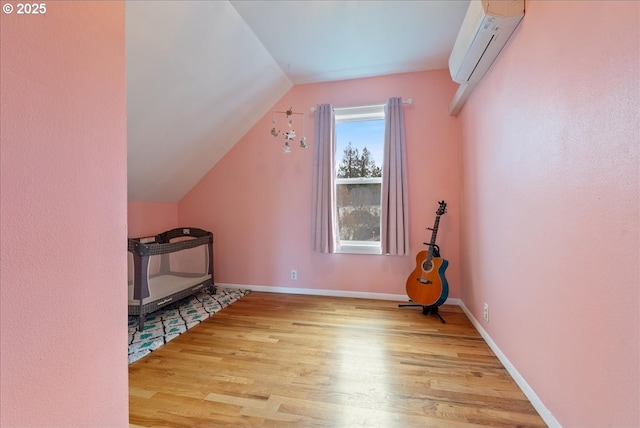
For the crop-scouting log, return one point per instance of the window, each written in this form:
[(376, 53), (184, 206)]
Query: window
[(359, 159), (394, 204)]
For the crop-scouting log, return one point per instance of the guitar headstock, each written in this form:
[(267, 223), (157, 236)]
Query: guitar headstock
[(442, 209)]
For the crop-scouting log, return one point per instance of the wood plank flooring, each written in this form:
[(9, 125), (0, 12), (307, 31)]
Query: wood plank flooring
[(281, 360)]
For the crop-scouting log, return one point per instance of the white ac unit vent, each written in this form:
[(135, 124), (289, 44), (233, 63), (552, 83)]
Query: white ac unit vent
[(485, 30)]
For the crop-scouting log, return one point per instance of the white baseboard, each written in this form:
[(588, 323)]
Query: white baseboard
[(331, 293), (545, 414)]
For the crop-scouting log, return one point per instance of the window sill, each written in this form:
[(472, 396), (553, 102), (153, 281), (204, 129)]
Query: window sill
[(359, 249)]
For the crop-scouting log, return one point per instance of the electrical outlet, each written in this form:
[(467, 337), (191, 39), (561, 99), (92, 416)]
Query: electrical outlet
[(486, 312), (294, 274)]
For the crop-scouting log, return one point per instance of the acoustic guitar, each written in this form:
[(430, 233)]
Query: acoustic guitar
[(427, 284)]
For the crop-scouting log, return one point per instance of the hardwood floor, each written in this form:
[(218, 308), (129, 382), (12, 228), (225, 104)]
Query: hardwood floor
[(280, 360)]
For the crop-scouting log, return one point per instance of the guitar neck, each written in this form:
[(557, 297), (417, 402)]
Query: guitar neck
[(433, 238)]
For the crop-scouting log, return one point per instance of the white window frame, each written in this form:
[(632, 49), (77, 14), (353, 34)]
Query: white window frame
[(358, 114)]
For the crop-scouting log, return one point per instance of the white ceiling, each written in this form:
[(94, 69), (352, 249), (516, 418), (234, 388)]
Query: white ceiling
[(201, 73)]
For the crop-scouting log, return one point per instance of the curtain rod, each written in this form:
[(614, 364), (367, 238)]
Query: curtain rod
[(407, 101)]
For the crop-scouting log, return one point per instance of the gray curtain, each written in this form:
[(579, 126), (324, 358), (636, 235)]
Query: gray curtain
[(394, 234), (324, 220)]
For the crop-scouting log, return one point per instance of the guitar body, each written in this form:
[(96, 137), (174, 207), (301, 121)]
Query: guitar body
[(427, 284)]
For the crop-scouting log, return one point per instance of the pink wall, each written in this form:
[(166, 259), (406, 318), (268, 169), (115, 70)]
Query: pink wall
[(550, 196), (257, 200), (63, 217), (151, 218)]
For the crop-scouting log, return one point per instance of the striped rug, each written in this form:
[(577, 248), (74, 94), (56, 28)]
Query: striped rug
[(166, 324)]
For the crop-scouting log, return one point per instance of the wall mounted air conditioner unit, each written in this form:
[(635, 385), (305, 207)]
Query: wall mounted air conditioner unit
[(485, 30)]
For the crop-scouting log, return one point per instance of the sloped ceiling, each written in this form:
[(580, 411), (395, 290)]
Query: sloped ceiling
[(201, 73)]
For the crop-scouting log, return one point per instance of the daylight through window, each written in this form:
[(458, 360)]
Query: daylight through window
[(359, 158)]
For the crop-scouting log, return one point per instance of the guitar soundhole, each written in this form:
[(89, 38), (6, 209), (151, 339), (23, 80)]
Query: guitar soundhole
[(427, 265)]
